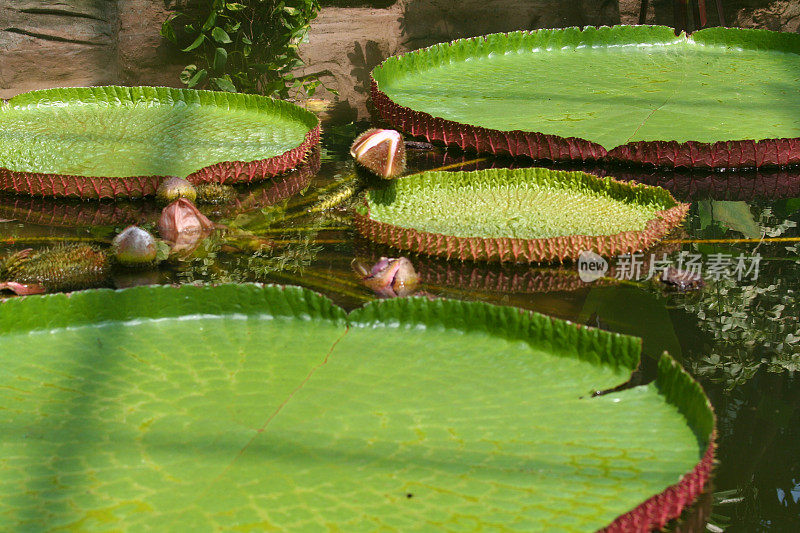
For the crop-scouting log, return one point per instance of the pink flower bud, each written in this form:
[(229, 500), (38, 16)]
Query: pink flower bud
[(183, 225), (390, 278)]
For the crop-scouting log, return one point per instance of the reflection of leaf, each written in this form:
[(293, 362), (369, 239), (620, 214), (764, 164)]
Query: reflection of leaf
[(634, 312), (736, 216), (416, 406), (792, 205), (704, 213)]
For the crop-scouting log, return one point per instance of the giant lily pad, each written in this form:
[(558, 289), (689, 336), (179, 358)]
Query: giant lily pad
[(119, 141), (244, 407), (721, 97), (529, 214)]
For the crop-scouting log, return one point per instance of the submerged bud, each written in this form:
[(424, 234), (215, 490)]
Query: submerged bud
[(183, 225), (134, 247), (380, 151), (171, 188), (389, 277), (682, 280), (214, 193)]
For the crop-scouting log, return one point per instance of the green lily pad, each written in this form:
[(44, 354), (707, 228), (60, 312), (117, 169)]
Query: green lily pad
[(253, 408), (529, 214), (639, 92), (118, 141)]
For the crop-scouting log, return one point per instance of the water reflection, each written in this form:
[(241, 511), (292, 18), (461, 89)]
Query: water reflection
[(685, 185)]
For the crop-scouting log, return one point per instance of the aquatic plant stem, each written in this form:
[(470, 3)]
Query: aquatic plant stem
[(459, 165), (316, 241), (301, 229), (52, 240), (726, 241)]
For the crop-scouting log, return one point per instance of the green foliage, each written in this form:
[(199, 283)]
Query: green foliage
[(750, 324), (248, 46)]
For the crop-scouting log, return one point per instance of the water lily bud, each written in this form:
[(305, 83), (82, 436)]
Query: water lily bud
[(171, 188), (380, 151), (390, 277), (682, 280), (183, 225), (134, 247), (214, 193)]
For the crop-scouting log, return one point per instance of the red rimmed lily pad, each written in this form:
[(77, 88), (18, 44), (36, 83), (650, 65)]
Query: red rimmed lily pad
[(521, 215), (250, 407), (106, 142), (722, 97)]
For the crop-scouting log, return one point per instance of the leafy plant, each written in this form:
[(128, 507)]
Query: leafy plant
[(751, 323), (248, 46)]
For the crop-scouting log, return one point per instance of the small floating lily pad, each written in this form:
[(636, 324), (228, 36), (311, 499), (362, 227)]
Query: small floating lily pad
[(119, 141), (244, 407), (530, 214), (721, 97)]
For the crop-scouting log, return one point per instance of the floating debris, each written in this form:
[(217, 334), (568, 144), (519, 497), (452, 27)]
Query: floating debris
[(419, 145)]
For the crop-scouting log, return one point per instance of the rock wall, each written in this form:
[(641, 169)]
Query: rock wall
[(62, 43), (56, 43), (776, 15), (49, 43)]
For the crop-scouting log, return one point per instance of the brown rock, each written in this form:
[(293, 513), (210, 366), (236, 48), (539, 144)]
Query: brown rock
[(56, 43), (144, 57)]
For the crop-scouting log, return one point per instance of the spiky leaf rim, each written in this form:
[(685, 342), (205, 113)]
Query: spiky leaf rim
[(538, 250), (99, 187), (86, 308), (682, 391), (732, 154)]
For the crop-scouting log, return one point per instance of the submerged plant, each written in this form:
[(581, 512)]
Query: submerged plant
[(751, 324), (681, 280), (214, 193)]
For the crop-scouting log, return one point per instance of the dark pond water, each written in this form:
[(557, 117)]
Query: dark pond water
[(739, 337)]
